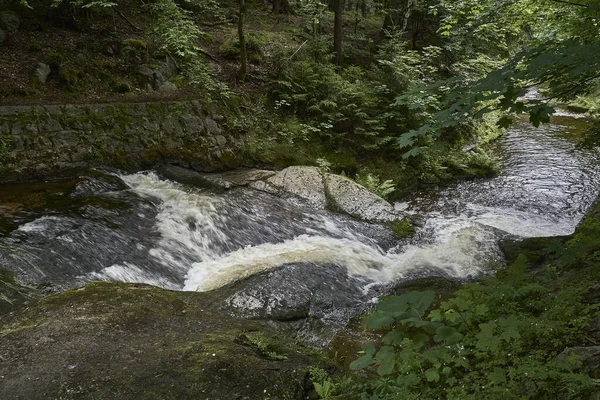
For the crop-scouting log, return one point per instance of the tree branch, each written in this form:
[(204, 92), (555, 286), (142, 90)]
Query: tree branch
[(559, 95), (571, 3), (127, 19)]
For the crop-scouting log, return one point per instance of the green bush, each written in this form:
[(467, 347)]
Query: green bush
[(122, 87), (254, 44), (497, 338), (374, 184)]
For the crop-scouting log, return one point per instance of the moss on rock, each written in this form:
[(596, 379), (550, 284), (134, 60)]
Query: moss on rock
[(12, 294), (116, 340)]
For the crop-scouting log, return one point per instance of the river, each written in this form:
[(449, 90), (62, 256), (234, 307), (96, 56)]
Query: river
[(107, 225)]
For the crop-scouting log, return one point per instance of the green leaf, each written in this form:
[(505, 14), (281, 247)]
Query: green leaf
[(416, 322), (419, 340), (386, 357), (362, 362), (379, 320), (448, 334), (498, 376), (394, 337), (421, 301), (393, 304), (410, 379), (412, 153), (432, 375)]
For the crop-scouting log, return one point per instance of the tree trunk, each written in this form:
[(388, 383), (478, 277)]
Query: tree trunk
[(338, 10), (276, 7), (356, 19), (242, 37)]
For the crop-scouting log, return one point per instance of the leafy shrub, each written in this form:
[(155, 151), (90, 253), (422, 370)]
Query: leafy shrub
[(374, 184), (178, 34), (254, 43), (122, 87), (495, 339)]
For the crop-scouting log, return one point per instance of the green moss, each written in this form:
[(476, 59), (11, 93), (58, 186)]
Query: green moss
[(34, 45), (254, 42), (12, 294), (209, 38), (267, 348), (134, 43), (134, 49), (177, 80), (255, 58), (69, 78), (118, 114), (122, 87), (172, 344), (55, 59), (402, 229)]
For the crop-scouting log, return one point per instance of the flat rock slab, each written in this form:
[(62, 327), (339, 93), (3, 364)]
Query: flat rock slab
[(224, 180), (244, 177), (128, 341)]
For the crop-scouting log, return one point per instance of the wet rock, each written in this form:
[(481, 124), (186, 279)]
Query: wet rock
[(326, 294), (124, 341), (347, 196), (186, 176), (41, 73), (230, 179), (12, 294), (302, 181), (96, 182), (334, 192)]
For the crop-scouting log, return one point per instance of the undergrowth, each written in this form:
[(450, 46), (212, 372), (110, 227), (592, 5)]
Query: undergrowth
[(502, 337)]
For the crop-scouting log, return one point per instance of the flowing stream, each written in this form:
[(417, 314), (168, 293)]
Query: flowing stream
[(142, 228)]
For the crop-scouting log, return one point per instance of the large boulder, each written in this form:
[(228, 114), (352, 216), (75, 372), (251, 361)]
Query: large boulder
[(302, 181), (126, 341), (318, 299), (316, 189), (9, 22), (222, 180), (41, 73), (347, 196)]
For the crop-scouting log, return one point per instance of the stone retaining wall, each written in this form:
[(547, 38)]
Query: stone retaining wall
[(37, 141)]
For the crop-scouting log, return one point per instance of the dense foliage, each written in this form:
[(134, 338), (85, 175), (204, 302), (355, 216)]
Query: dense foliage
[(411, 92), (502, 337)]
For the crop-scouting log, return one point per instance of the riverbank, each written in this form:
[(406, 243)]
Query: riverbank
[(52, 141), (130, 340)]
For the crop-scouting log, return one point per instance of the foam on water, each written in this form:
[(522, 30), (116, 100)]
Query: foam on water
[(128, 272), (179, 237)]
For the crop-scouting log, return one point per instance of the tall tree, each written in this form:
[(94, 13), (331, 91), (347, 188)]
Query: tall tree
[(242, 38), (338, 10)]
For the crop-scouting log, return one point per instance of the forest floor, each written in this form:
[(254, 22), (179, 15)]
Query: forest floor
[(91, 62)]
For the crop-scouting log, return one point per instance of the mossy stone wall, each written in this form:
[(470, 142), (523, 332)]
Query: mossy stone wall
[(37, 141)]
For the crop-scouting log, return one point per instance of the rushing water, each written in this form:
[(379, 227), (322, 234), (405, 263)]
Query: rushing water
[(141, 228)]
